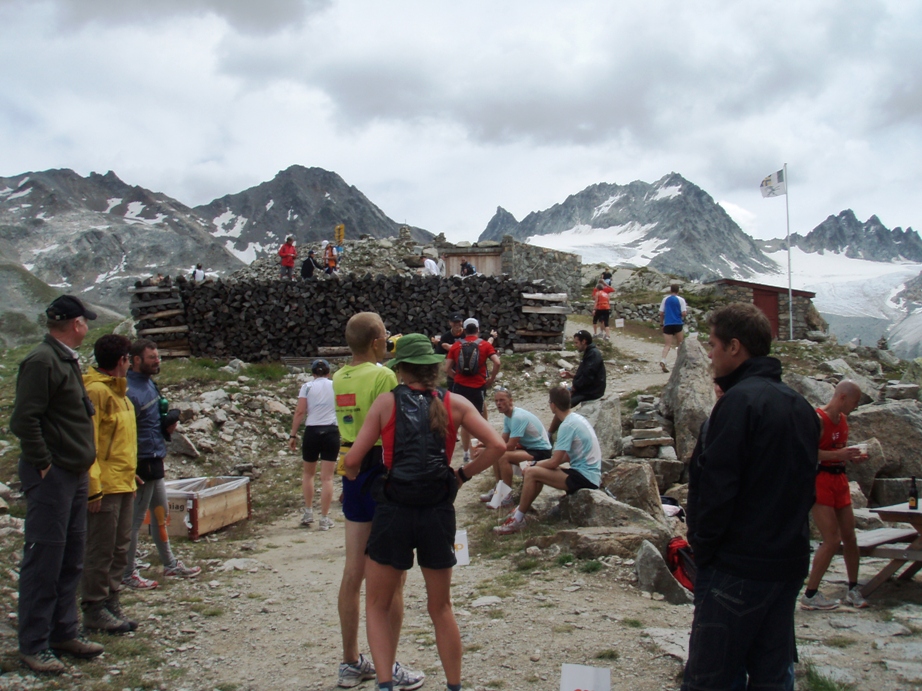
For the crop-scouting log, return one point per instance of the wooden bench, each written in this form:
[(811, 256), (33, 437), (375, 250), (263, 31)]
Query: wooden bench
[(870, 542)]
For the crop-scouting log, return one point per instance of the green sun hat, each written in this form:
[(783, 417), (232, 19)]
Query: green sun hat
[(415, 349)]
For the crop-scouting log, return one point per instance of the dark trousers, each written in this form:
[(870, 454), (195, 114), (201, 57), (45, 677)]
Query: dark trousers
[(52, 560), (741, 624), (108, 537)]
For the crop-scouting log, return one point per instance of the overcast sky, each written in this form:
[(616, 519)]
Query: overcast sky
[(441, 111)]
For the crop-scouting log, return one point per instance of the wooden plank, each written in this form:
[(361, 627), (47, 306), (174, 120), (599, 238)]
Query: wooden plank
[(334, 351), (222, 509), (883, 536), (153, 289), (178, 343), (549, 309), (156, 303), (888, 570), (894, 553), (164, 330), (161, 315), (553, 297), (543, 334), (174, 352), (529, 347)]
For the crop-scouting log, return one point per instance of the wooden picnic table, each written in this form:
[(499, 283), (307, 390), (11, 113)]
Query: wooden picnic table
[(882, 543)]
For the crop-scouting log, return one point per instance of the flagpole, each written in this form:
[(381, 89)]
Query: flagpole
[(787, 213)]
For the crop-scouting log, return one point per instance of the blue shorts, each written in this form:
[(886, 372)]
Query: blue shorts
[(358, 505)]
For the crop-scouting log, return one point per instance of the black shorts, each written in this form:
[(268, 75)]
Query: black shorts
[(397, 530), (671, 329), (601, 316), (576, 481), (475, 396), (539, 454), (320, 441)]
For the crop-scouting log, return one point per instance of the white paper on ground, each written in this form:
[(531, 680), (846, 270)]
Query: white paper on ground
[(619, 323), (461, 551), (584, 678), (501, 492)]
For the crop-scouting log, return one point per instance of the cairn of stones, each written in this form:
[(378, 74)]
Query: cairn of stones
[(648, 434)]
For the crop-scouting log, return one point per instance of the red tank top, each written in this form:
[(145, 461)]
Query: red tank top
[(835, 436)]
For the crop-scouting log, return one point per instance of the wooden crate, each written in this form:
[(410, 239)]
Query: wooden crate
[(201, 505)]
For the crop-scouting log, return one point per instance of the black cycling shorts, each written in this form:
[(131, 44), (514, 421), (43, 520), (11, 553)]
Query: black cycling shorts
[(601, 316), (671, 329), (320, 441), (576, 481), (397, 530)]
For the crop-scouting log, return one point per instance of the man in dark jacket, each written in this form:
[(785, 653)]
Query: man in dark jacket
[(751, 486), (309, 265), (589, 380), (53, 418)]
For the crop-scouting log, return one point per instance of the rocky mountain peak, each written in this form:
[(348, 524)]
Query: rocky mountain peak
[(871, 240)]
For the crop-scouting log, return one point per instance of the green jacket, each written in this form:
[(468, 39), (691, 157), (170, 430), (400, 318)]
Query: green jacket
[(51, 415)]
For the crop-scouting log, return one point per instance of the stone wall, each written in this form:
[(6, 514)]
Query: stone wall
[(802, 306), (528, 262), (257, 320)]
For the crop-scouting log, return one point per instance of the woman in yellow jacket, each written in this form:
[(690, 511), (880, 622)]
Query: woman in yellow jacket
[(110, 503)]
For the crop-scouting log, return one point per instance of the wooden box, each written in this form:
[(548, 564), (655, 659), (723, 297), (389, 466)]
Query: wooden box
[(201, 505)]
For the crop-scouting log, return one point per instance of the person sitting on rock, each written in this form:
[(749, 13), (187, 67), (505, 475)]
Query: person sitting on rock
[(832, 511), (577, 444), (590, 378), (525, 437)]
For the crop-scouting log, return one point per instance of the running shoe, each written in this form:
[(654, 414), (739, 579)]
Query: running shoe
[(137, 582), (307, 517), (180, 570), (406, 679), (487, 496), (855, 599), (509, 526), (818, 601), (662, 364), (325, 523), (354, 674)]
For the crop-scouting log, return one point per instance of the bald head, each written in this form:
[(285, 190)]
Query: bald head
[(845, 398)]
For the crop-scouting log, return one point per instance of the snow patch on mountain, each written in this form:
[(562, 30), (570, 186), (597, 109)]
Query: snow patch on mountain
[(20, 194), (112, 203), (249, 253), (222, 222), (613, 245), (666, 193)]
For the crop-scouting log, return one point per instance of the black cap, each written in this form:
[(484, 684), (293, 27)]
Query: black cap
[(456, 318), (68, 307), (310, 251)]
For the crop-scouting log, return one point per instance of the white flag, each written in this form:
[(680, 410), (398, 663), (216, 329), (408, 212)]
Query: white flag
[(774, 185)]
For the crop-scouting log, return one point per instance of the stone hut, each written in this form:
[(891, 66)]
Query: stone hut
[(521, 261), (773, 301)]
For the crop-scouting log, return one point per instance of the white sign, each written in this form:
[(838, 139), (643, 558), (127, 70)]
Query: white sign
[(501, 492), (461, 552), (584, 678), (619, 323)]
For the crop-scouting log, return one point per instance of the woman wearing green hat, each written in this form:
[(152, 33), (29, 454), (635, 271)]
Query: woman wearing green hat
[(417, 423)]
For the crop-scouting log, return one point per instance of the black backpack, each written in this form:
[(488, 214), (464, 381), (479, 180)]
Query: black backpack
[(469, 362)]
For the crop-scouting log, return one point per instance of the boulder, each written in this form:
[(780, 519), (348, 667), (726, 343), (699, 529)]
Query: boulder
[(594, 509), (214, 398), (900, 391), (591, 543), (888, 358), (815, 391), (869, 390), (654, 576), (5, 492), (203, 424), (276, 407), (668, 472), (859, 500), (865, 519), (817, 336), (890, 490), (897, 425), (605, 417), (180, 443), (863, 473), (634, 483), (679, 493), (688, 396)]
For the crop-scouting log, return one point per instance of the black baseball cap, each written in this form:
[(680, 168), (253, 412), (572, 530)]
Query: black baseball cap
[(68, 307), (456, 318), (310, 251)]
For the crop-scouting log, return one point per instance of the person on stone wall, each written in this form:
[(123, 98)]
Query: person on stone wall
[(288, 252), (53, 418), (198, 274), (430, 268), (330, 257), (309, 266), (467, 269), (443, 271), (672, 313)]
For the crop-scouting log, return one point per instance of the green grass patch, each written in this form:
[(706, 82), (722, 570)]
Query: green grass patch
[(632, 623), (814, 681), (496, 614), (528, 564), (563, 628), (839, 641), (591, 566), (565, 559), (607, 654)]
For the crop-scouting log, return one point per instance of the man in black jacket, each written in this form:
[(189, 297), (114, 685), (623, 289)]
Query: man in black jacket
[(751, 486), (589, 380), (53, 418)]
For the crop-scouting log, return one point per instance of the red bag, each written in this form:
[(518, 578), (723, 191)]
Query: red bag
[(681, 561)]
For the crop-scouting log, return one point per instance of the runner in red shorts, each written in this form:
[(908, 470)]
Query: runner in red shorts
[(832, 511)]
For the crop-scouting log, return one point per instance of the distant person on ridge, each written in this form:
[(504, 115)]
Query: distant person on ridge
[(198, 274), (672, 312), (288, 253), (430, 268), (467, 269), (309, 265)]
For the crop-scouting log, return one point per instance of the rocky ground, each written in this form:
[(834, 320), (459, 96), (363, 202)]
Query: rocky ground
[(263, 613)]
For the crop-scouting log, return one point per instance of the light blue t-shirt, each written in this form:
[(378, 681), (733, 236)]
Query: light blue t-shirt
[(528, 428), (577, 438)]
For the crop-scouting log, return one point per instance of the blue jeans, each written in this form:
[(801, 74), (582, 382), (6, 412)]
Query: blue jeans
[(741, 624)]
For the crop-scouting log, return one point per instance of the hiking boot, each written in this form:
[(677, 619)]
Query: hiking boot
[(818, 601), (406, 679), (354, 674), (662, 364), (509, 526), (487, 496), (115, 609), (78, 647), (97, 618), (180, 570), (43, 662), (137, 582), (325, 523), (307, 517), (855, 599)]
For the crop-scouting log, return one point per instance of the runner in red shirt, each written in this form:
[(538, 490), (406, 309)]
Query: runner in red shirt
[(472, 386), (832, 512), (602, 312)]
